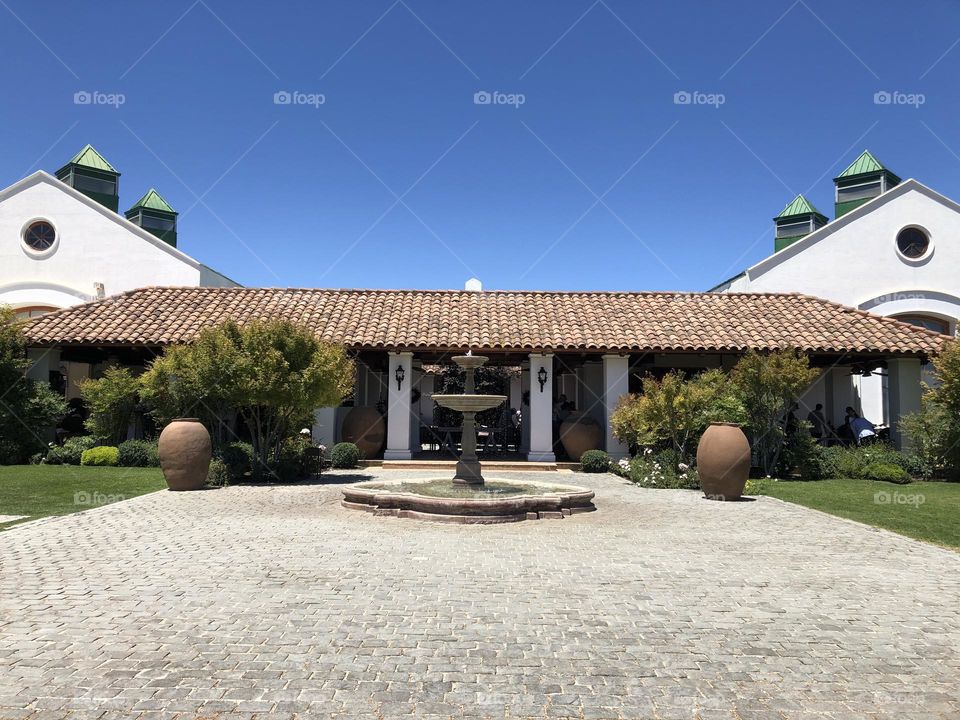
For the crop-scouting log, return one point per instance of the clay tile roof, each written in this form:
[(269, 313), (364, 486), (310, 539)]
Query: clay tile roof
[(499, 320)]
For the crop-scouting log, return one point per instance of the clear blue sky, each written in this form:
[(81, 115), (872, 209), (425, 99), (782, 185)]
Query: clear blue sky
[(298, 195)]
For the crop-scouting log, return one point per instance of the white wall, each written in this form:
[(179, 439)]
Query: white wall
[(94, 245), (855, 262)]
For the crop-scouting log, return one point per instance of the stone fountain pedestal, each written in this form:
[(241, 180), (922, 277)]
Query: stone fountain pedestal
[(468, 470)]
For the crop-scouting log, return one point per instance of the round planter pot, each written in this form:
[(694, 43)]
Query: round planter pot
[(365, 428), (185, 451), (579, 433), (723, 461)]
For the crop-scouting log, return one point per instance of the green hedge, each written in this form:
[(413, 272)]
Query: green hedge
[(103, 456), (345, 455), (595, 461)]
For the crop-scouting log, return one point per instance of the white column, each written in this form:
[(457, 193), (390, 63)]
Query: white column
[(516, 394), (616, 384), (325, 426), (524, 409), (43, 361), (541, 410), (904, 393), (398, 407)]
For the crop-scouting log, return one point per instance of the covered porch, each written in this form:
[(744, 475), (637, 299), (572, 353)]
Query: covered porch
[(551, 395)]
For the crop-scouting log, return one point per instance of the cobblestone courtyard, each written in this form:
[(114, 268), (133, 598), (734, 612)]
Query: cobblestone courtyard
[(277, 602)]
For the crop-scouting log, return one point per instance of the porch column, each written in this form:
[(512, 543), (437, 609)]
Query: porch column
[(616, 383), (541, 409), (325, 426), (524, 410), (398, 407), (904, 391), (43, 361)]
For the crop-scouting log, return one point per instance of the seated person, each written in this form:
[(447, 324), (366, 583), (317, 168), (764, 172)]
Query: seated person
[(862, 429)]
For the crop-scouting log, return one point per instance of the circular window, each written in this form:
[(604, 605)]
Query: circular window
[(913, 243), (40, 236)]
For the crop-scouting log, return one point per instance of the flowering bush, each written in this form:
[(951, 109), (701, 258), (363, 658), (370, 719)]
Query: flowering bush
[(661, 469)]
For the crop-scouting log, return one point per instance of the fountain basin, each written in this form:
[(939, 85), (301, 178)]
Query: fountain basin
[(470, 403), (496, 501)]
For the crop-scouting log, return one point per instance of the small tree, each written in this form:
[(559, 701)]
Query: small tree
[(28, 408), (284, 371), (767, 385), (111, 400), (197, 380), (676, 411), (273, 372), (934, 431)]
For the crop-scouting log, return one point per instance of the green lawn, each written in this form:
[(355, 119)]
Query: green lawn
[(41, 490), (923, 510)]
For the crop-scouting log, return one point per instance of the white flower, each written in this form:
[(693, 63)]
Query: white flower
[(648, 451), (684, 467)]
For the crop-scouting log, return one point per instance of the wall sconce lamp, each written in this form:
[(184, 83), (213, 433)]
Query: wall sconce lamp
[(542, 377), (399, 374)]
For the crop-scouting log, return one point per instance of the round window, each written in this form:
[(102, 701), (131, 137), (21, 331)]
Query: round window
[(912, 242), (40, 236)]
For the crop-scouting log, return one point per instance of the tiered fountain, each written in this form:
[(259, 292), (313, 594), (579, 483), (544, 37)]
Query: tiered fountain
[(468, 497)]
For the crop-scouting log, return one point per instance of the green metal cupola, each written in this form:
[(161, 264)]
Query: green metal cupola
[(154, 214), (798, 219), (90, 173), (864, 180)]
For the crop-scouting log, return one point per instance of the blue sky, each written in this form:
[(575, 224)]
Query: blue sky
[(598, 180)]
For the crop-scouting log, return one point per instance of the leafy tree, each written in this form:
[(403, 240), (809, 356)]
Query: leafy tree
[(197, 380), (273, 372), (934, 431), (768, 384), (28, 408), (674, 411), (111, 399)]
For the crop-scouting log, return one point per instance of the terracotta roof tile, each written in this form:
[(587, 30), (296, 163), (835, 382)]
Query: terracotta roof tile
[(499, 320)]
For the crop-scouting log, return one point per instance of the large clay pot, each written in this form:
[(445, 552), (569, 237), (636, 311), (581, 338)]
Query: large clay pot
[(185, 451), (579, 433), (365, 428), (723, 461)]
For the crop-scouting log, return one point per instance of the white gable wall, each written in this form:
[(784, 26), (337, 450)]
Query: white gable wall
[(857, 264), (94, 245), (854, 261)]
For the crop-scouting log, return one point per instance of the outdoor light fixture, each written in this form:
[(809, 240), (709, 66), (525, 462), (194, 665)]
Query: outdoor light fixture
[(399, 374), (542, 377)]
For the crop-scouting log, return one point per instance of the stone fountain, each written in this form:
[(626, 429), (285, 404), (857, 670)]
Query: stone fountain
[(468, 467), (468, 498)]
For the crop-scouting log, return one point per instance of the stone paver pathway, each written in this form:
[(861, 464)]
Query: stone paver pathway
[(276, 602)]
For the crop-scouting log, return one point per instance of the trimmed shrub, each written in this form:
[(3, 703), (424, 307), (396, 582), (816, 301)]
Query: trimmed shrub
[(886, 472), (70, 452), (238, 457), (346, 455), (138, 453), (803, 454), (102, 456), (595, 461), (219, 474)]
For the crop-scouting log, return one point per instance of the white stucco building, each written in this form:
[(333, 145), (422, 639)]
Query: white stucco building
[(893, 249), (62, 242)]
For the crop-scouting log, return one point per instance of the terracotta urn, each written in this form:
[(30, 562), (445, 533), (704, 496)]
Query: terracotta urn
[(579, 433), (723, 461), (185, 452), (365, 428)]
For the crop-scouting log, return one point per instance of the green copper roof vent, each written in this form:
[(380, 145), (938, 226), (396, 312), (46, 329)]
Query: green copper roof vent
[(798, 219), (154, 214), (863, 180), (90, 173)]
